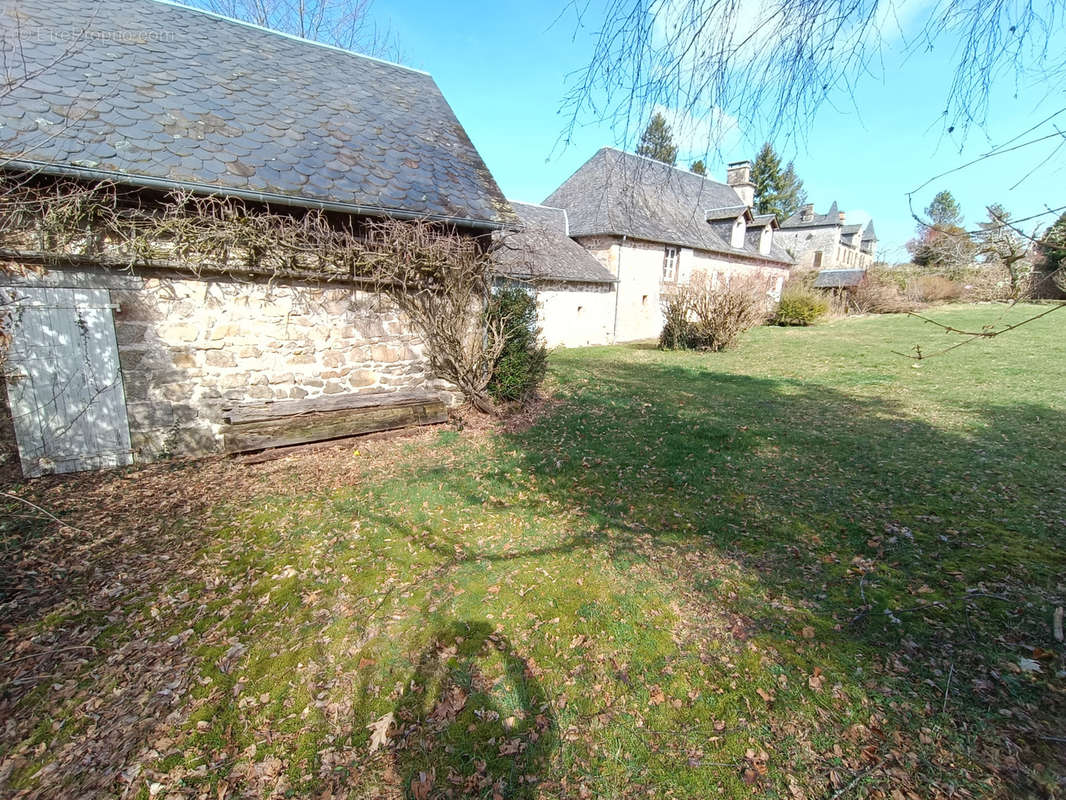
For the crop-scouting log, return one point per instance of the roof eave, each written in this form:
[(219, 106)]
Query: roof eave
[(275, 198)]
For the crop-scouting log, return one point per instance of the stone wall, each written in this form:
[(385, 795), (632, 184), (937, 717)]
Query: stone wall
[(190, 347), (803, 243)]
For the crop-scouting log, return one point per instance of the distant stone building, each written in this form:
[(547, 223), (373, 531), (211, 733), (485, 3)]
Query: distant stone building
[(652, 226), (826, 241)]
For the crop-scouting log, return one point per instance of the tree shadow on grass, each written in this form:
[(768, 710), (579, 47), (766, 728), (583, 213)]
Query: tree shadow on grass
[(929, 557), (473, 719)]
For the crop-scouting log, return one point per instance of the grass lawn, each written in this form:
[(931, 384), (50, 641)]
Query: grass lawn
[(804, 568)]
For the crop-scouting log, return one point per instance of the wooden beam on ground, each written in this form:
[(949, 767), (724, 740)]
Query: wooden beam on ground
[(275, 453), (278, 409), (312, 425)]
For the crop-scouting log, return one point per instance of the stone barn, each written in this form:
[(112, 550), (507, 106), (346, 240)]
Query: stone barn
[(112, 361)]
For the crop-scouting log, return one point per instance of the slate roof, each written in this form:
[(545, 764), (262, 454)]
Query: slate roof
[(155, 94), (834, 278), (868, 235), (620, 194), (831, 217), (541, 249)]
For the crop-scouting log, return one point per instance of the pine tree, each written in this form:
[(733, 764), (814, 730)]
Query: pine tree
[(1051, 262), (698, 167), (944, 211), (777, 191), (766, 175), (791, 194), (943, 245), (657, 141)]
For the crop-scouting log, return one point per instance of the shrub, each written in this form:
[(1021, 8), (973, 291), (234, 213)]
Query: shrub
[(676, 332), (699, 317), (799, 306), (933, 289), (880, 293), (523, 361)]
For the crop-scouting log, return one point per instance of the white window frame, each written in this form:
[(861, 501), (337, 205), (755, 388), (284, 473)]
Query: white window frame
[(670, 263)]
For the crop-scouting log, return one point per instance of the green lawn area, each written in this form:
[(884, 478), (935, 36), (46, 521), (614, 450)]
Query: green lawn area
[(804, 568)]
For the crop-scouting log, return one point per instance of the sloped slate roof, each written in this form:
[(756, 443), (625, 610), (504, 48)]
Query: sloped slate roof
[(833, 278), (542, 250), (868, 235), (831, 217), (624, 194), (155, 94)]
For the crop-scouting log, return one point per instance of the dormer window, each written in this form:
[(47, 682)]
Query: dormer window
[(739, 229), (766, 240)]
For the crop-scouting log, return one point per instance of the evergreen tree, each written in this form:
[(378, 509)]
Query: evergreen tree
[(657, 141), (943, 245), (1053, 246), (766, 175), (698, 167), (791, 195), (1051, 262), (944, 211), (777, 191)]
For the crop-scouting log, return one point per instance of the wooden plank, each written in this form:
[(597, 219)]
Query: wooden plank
[(260, 412), (275, 453), (321, 425)]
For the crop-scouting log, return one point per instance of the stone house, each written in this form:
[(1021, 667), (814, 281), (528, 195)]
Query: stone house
[(653, 226), (575, 292), (111, 363), (825, 241)]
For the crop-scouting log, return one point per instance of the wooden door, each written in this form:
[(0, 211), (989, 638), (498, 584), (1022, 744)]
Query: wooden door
[(64, 385)]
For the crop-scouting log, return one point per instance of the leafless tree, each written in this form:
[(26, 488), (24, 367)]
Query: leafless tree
[(342, 23), (1002, 245), (769, 66)]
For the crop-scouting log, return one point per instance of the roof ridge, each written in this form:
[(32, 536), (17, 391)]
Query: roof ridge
[(538, 205), (294, 37), (664, 164)]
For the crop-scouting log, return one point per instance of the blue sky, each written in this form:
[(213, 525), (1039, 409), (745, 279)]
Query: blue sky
[(504, 70)]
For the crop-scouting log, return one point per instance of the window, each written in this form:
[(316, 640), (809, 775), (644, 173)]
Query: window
[(739, 229), (817, 259), (644, 300), (670, 265)]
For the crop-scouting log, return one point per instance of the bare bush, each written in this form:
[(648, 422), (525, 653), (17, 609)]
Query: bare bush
[(879, 293), (933, 289), (994, 283), (441, 281), (702, 317)]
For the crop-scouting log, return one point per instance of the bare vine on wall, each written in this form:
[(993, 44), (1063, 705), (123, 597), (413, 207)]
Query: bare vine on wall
[(437, 276)]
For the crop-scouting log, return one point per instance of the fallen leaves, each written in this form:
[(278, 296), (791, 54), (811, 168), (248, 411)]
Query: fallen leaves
[(656, 697), (379, 731), (449, 705)]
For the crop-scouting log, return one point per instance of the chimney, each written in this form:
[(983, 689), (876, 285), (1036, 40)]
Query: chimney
[(738, 175), (807, 212), (841, 217)]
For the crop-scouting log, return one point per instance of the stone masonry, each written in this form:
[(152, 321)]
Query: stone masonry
[(190, 347)]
